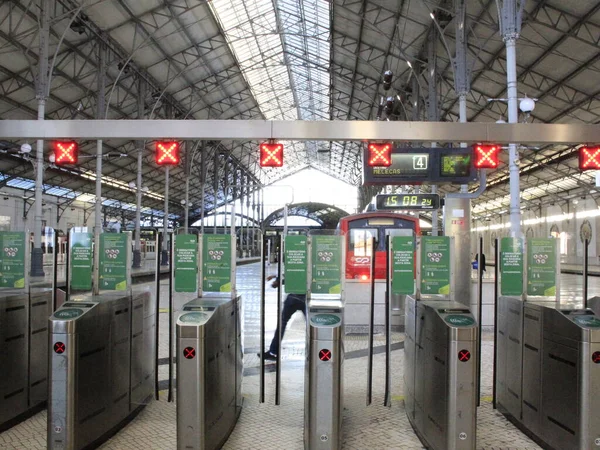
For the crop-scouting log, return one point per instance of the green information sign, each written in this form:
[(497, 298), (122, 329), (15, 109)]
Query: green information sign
[(511, 266), (194, 317), (435, 265), (541, 267), (113, 261), (403, 265), (186, 263), (296, 264), (587, 321), (325, 319), (81, 261), (326, 264), (460, 321), (216, 263), (68, 313), (12, 259)]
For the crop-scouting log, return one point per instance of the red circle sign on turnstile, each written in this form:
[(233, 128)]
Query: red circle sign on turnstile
[(324, 354), (189, 353), (596, 357), (59, 348), (464, 355)]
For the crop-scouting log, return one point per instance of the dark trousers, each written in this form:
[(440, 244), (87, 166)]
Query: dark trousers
[(292, 303)]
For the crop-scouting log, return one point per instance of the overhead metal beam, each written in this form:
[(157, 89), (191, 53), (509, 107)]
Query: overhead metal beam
[(532, 133)]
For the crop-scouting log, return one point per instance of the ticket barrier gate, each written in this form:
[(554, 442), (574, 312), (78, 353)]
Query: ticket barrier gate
[(548, 379), (24, 354), (101, 366), (440, 374), (209, 371), (323, 386)]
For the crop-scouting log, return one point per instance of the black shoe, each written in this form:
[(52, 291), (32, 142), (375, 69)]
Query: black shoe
[(268, 356)]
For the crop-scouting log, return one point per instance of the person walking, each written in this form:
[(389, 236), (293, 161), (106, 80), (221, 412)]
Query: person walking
[(292, 304)]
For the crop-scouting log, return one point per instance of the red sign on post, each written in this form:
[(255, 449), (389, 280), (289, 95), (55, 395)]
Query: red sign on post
[(66, 152), (189, 353), (59, 348), (325, 354), (464, 355), (379, 155), (486, 156), (167, 153), (271, 154), (589, 158)]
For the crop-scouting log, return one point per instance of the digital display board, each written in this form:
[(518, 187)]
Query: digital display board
[(455, 165), (407, 201), (404, 164), (423, 165)]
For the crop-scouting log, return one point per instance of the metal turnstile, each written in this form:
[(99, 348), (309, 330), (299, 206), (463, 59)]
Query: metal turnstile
[(209, 371), (323, 385), (441, 373), (101, 369), (559, 375), (24, 354)]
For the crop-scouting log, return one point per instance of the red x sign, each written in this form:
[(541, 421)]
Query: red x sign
[(486, 156), (596, 357), (59, 348), (66, 152), (324, 355), (379, 155), (189, 353), (464, 355), (271, 154), (589, 158), (167, 153)]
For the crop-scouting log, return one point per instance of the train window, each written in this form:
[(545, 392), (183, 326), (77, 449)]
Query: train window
[(360, 243), (383, 221)]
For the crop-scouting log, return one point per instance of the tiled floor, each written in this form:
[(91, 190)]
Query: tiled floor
[(266, 426)]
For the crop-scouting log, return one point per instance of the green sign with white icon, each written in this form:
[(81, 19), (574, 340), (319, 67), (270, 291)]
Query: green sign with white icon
[(460, 321), (403, 265), (587, 321), (81, 261), (113, 261), (326, 264), (216, 263), (435, 265), (186, 263), (296, 264), (511, 266), (68, 313), (541, 266), (12, 259), (325, 319)]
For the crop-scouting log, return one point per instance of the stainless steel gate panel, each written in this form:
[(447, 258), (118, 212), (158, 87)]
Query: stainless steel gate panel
[(445, 362), (409, 356), (323, 375), (532, 363), (208, 372), (40, 309), (501, 352), (120, 358), (514, 356), (14, 342)]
